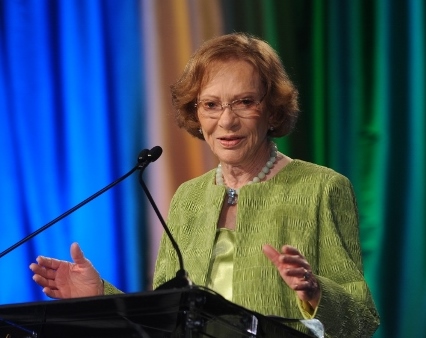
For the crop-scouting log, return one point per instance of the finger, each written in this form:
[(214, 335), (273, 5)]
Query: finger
[(290, 250), (40, 280), (299, 272), (308, 290), (48, 262), (34, 267), (42, 271), (43, 282), (303, 286), (77, 254), (295, 261), (272, 254), (292, 256), (51, 293)]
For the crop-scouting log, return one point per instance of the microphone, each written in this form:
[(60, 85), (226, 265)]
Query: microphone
[(181, 280), (144, 159), (147, 156)]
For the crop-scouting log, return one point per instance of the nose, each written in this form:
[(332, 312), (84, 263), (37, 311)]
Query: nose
[(228, 118)]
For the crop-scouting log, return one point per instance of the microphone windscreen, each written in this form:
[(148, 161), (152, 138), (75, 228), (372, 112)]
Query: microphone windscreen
[(155, 153)]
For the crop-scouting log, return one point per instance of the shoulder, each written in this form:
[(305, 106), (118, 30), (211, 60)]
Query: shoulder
[(195, 185), (310, 179), (308, 172)]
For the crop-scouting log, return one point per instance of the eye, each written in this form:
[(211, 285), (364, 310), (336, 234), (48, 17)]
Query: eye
[(243, 103), (211, 105), (247, 102)]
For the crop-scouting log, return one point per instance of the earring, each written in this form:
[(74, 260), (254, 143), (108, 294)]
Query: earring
[(200, 131), (271, 128)]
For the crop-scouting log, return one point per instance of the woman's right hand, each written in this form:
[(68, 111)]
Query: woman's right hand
[(62, 279)]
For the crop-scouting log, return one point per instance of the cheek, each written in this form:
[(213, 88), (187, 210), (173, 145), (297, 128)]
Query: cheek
[(259, 129), (208, 127), (208, 137)]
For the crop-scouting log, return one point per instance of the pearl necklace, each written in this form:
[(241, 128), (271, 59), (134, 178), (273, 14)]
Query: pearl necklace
[(233, 193)]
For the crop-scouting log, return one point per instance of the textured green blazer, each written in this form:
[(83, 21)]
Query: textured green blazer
[(305, 205)]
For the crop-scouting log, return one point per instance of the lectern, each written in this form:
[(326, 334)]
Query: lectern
[(188, 312)]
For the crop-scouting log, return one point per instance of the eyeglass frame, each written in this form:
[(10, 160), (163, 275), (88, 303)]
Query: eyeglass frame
[(230, 104)]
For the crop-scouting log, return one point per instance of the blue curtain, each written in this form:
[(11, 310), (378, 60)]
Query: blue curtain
[(70, 123)]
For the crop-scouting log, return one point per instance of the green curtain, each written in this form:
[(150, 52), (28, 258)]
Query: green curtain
[(360, 70)]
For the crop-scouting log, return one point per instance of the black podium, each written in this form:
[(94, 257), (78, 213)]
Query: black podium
[(187, 312)]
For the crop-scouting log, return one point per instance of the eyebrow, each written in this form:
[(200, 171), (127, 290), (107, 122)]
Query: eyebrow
[(235, 97)]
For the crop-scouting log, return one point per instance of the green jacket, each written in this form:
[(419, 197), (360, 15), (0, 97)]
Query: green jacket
[(305, 205)]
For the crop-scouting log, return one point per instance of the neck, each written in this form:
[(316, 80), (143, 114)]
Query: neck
[(239, 175), (262, 172)]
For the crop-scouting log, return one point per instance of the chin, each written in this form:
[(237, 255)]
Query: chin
[(230, 159)]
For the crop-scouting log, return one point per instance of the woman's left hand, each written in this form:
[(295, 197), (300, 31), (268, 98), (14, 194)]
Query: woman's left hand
[(295, 271)]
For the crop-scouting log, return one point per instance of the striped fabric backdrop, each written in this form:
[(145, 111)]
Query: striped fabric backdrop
[(84, 86)]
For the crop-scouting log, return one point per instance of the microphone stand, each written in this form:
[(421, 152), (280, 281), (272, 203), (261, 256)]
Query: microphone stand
[(181, 279)]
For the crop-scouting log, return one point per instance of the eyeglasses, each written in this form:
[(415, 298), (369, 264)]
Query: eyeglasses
[(245, 107)]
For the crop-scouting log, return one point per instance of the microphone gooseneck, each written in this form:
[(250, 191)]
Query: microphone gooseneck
[(181, 279), (143, 156)]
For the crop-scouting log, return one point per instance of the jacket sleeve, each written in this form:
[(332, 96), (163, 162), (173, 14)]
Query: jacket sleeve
[(110, 289), (346, 307)]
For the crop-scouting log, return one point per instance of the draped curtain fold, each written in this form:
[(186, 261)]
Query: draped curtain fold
[(360, 69), (70, 88)]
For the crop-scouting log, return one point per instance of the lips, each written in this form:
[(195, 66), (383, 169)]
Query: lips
[(228, 142)]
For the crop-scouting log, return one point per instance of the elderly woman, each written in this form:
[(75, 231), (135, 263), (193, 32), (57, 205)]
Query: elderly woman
[(276, 235)]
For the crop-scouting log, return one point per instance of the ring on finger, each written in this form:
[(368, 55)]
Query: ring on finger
[(306, 275)]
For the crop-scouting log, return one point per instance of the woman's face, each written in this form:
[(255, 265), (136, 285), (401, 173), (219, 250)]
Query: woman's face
[(235, 139)]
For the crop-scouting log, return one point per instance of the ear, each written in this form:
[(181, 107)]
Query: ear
[(270, 123), (270, 118)]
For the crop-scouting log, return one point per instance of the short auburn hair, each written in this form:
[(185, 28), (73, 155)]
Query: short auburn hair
[(281, 97)]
